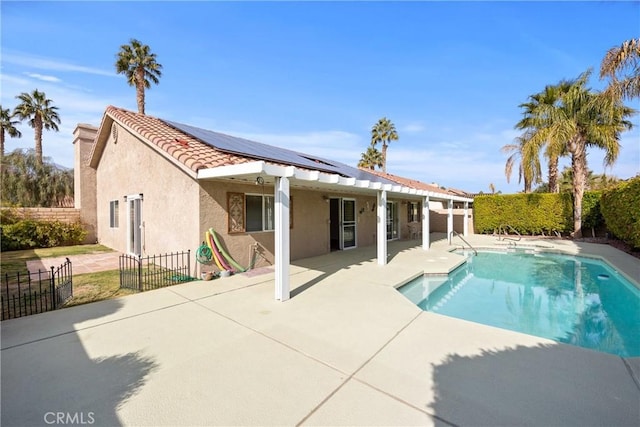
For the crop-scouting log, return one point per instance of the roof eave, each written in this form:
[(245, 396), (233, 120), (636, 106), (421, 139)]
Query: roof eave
[(259, 167)]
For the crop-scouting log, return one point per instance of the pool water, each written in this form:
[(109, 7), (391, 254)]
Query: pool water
[(569, 299)]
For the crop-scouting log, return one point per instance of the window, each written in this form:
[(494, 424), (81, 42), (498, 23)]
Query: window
[(114, 214), (253, 212), (259, 212), (415, 212)]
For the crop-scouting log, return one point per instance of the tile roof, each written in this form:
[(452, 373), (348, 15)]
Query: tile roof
[(194, 154), (189, 151), (412, 183)]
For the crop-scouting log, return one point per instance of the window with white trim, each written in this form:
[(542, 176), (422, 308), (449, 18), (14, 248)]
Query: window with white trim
[(259, 212), (253, 212), (114, 215)]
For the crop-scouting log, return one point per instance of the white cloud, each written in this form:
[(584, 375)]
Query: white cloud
[(43, 77), (414, 127), (50, 64)]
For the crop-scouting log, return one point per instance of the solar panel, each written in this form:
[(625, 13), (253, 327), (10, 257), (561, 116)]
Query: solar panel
[(258, 150)]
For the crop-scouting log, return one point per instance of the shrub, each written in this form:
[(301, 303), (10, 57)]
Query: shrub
[(16, 234), (591, 211), (621, 211), (534, 213)]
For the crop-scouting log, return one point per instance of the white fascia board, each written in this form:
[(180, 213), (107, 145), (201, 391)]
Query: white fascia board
[(386, 187), (376, 185), (328, 178), (362, 183), (306, 175), (346, 181), (232, 170), (441, 196), (275, 170)]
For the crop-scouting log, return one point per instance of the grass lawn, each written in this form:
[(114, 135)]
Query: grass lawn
[(86, 287), (13, 261), (98, 286)]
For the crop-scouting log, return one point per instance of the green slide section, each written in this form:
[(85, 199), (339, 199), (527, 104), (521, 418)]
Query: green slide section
[(224, 253)]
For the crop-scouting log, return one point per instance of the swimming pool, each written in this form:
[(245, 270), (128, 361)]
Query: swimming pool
[(569, 299)]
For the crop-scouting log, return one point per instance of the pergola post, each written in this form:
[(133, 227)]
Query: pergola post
[(282, 238), (381, 235), (466, 219), (426, 225), (450, 221)]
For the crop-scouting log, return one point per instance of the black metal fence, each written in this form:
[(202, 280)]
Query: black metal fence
[(154, 271), (23, 294)]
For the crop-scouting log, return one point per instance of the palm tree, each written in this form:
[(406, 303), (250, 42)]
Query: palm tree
[(139, 65), (533, 117), (370, 158), (614, 65), (529, 169), (593, 182), (40, 112), (581, 119), (7, 125), (383, 132)]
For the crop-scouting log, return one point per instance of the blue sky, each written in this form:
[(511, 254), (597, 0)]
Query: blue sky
[(315, 77)]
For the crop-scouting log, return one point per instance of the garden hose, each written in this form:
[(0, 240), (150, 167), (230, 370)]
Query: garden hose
[(204, 254)]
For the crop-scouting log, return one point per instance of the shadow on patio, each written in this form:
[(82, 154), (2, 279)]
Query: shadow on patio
[(542, 385), (344, 260), (50, 377)]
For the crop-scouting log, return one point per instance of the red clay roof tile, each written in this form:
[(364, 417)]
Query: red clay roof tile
[(189, 151), (411, 183)]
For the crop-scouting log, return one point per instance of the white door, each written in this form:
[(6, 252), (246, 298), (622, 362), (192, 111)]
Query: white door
[(134, 224), (392, 220), (348, 223)]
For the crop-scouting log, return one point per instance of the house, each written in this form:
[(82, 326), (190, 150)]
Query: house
[(151, 186)]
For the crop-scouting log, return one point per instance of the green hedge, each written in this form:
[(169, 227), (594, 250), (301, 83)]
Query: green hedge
[(16, 233), (534, 213), (621, 211)]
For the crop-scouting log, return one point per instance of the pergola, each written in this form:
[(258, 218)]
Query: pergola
[(283, 177)]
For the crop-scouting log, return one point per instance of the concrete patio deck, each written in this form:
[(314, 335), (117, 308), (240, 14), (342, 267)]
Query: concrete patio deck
[(347, 349)]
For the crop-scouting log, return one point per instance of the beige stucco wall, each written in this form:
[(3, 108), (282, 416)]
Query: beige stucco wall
[(177, 210), (170, 206), (438, 220), (84, 183), (310, 234)]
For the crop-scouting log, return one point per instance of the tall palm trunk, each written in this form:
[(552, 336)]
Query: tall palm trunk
[(577, 148), (37, 129), (554, 185), (527, 185), (384, 157), (140, 89), (1, 144)]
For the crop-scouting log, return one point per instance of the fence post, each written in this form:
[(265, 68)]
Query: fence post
[(188, 262), (140, 273), (70, 276), (54, 301)]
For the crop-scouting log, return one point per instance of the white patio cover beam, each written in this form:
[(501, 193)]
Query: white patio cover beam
[(381, 235), (450, 221), (466, 219), (282, 238), (426, 224)]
